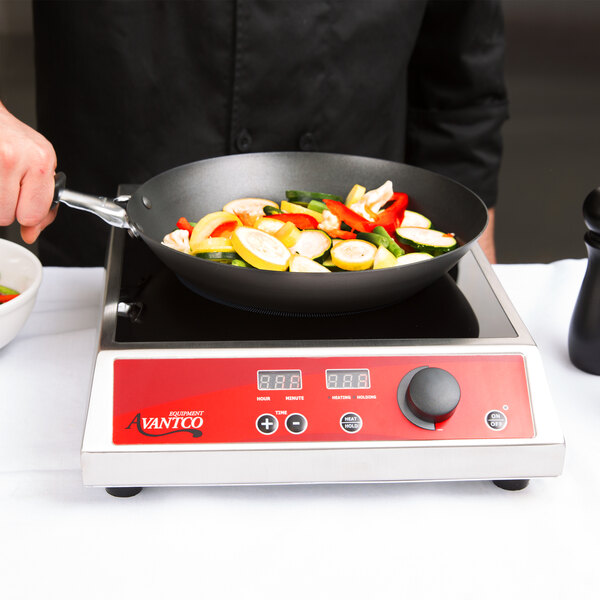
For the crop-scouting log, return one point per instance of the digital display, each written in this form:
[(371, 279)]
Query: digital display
[(348, 379), (279, 380)]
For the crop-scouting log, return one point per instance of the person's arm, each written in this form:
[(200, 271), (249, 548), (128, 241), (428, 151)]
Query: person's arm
[(27, 165), (458, 99)]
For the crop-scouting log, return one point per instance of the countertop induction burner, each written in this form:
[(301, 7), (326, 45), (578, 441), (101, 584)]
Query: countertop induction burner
[(447, 385)]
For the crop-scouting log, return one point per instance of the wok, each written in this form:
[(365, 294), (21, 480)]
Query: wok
[(194, 189)]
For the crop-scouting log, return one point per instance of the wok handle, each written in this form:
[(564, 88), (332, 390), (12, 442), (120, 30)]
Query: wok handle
[(108, 210)]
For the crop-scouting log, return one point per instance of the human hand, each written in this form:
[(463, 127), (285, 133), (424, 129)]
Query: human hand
[(27, 165)]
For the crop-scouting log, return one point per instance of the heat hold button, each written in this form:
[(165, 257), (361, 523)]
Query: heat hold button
[(351, 422)]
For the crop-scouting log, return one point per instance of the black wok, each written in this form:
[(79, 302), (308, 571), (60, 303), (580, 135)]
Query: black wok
[(196, 189)]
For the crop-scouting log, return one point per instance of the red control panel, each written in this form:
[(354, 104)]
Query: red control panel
[(233, 400)]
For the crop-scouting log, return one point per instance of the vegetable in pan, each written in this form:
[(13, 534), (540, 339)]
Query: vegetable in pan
[(314, 232)]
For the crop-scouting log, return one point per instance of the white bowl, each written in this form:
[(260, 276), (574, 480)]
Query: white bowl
[(22, 271)]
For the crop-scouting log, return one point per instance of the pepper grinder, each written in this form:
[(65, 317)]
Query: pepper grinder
[(584, 332)]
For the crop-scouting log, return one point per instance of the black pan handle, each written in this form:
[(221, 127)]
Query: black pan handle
[(60, 183), (110, 211)]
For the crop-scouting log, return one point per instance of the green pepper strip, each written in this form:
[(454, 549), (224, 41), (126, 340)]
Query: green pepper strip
[(7, 290)]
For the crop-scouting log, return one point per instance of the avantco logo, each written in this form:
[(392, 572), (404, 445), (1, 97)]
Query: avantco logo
[(178, 421)]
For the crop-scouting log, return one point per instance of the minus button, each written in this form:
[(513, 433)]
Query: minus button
[(296, 423)]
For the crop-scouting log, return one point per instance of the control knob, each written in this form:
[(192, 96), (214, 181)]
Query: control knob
[(428, 395)]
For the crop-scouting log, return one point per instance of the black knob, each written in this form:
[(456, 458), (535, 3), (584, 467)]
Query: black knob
[(584, 331), (433, 394)]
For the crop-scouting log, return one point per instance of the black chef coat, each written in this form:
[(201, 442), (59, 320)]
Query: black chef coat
[(126, 90)]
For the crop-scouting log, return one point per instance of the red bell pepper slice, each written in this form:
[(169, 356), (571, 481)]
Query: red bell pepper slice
[(301, 221), (184, 224), (391, 218), (224, 229), (6, 297), (340, 234), (348, 216)]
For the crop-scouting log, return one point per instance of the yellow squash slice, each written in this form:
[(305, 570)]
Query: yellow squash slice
[(249, 210), (213, 244), (271, 226), (260, 249), (355, 195), (289, 234), (384, 259), (207, 224), (353, 255), (290, 207)]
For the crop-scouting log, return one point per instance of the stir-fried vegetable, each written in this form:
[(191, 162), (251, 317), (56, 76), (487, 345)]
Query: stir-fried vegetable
[(353, 255), (260, 249), (311, 232), (7, 294)]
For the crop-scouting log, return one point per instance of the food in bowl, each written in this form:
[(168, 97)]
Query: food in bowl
[(314, 232), (7, 294), (20, 272)]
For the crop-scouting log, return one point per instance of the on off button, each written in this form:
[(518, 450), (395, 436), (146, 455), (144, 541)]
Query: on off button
[(496, 420)]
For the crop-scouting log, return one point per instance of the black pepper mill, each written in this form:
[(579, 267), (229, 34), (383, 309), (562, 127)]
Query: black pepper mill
[(584, 333)]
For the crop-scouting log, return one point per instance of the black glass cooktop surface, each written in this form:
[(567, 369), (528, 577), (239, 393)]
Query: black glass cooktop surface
[(461, 305)]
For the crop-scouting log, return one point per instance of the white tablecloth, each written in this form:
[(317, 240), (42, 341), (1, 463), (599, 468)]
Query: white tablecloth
[(419, 540)]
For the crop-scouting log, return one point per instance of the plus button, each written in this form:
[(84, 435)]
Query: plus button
[(267, 424)]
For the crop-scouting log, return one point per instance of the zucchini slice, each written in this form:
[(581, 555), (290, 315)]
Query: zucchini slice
[(413, 257), (303, 196), (426, 240), (217, 249), (260, 249), (313, 243), (353, 255), (415, 219), (328, 263), (224, 257), (301, 264)]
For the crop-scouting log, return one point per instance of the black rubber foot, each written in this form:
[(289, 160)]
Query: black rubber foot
[(124, 492), (512, 485)]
